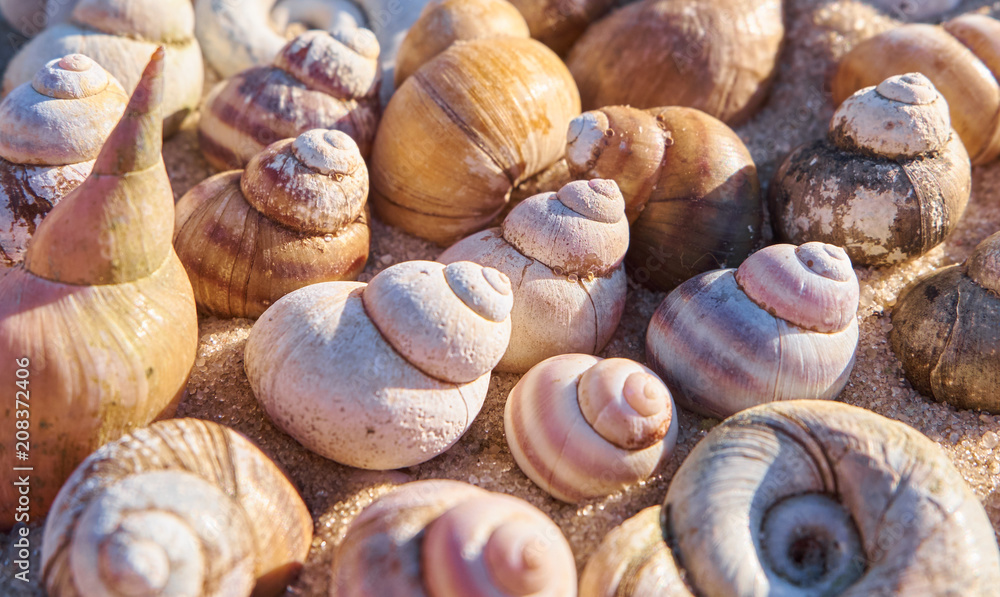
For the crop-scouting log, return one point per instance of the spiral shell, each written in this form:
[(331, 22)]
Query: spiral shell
[(563, 254), (782, 326), (890, 182), (181, 507), (413, 351), (691, 191), (805, 498), (945, 331), (294, 217), (582, 427), (444, 160), (318, 80), (450, 539), (50, 133), (101, 308), (119, 35)]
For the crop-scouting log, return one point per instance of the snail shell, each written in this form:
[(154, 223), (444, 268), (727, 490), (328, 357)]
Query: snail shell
[(119, 35), (294, 217), (559, 23), (563, 254), (235, 36), (582, 427), (718, 56), (782, 326), (50, 133), (961, 58), (805, 498), (318, 80), (443, 22), (890, 182), (449, 539), (413, 351), (101, 306), (444, 160), (182, 507), (691, 191), (31, 16), (945, 331)]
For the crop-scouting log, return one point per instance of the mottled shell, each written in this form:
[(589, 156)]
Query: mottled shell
[(51, 130), (31, 16), (690, 186), (449, 539), (806, 498), (413, 352), (443, 22), (559, 23), (563, 254), (890, 182), (722, 344), (718, 56), (101, 308), (235, 36), (294, 217), (946, 331), (120, 35), (183, 502), (583, 427), (510, 126), (962, 59), (318, 80)]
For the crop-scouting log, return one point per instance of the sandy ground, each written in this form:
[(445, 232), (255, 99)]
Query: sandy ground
[(819, 32)]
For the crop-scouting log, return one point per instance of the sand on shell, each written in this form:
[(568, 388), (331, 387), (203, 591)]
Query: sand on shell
[(799, 108)]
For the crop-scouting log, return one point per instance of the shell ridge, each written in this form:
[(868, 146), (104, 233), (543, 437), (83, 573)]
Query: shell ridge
[(935, 373)]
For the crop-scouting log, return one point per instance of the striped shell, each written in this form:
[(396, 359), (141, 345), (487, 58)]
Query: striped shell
[(318, 80), (449, 539), (413, 351), (563, 254), (583, 427), (296, 216), (781, 327)]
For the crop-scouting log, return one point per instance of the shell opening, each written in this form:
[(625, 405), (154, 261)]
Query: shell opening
[(328, 152), (625, 403), (483, 289), (73, 76), (516, 553), (811, 541)]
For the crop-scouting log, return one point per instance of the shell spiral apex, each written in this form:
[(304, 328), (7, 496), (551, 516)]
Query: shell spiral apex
[(903, 116), (625, 403), (318, 59)]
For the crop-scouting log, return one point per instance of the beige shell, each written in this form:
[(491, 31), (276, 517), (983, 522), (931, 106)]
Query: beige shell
[(805, 498), (119, 35), (318, 80), (101, 309), (444, 22), (583, 427), (449, 539), (782, 327), (182, 507), (235, 36), (890, 183), (294, 217), (563, 253), (51, 130), (413, 352)]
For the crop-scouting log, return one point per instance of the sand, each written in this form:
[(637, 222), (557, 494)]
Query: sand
[(819, 32)]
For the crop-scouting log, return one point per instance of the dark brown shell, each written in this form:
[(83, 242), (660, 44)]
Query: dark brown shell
[(559, 23)]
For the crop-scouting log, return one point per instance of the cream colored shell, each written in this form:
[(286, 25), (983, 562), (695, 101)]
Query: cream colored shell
[(384, 375), (583, 427), (120, 35), (449, 539), (563, 254)]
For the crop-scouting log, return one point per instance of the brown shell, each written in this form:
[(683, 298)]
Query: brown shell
[(963, 79), (464, 130), (318, 80), (718, 56), (559, 23)]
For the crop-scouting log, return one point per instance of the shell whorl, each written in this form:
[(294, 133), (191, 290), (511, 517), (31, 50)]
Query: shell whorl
[(581, 229), (63, 116), (812, 286), (902, 117), (343, 64), (625, 403), (315, 183), (984, 263), (451, 322), (170, 22)]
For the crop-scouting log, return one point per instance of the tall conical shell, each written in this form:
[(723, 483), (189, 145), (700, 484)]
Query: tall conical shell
[(101, 311)]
